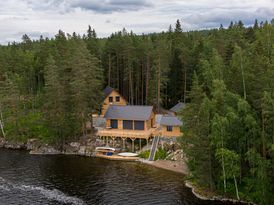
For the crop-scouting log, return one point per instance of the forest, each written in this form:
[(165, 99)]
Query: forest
[(49, 87)]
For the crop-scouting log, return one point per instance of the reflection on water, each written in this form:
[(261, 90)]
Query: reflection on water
[(59, 179)]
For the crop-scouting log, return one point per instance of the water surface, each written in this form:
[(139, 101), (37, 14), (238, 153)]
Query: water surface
[(59, 179)]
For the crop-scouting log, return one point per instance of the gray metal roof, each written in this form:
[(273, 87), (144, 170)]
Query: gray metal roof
[(108, 90), (170, 121), (179, 106), (128, 112)]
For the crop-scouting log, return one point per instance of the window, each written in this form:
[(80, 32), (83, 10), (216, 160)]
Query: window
[(110, 99), (139, 125), (127, 124), (169, 128), (117, 98), (114, 124)]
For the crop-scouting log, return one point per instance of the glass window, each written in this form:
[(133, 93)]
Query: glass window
[(169, 128), (114, 124), (110, 99), (117, 98), (127, 124), (139, 125)]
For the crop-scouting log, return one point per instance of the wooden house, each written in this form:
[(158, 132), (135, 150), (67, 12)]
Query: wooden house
[(112, 97), (128, 121), (170, 126), (130, 117), (177, 108), (123, 121)]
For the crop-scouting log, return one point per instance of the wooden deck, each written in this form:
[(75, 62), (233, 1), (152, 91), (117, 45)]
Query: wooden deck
[(133, 134), (116, 157)]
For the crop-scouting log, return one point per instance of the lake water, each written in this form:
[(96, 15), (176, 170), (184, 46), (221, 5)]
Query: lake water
[(56, 180)]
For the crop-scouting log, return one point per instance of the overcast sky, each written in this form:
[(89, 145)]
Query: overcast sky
[(46, 17)]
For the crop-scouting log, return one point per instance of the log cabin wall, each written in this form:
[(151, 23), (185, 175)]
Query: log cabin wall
[(113, 95)]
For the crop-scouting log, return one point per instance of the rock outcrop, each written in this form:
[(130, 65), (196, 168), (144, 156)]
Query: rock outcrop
[(35, 146)]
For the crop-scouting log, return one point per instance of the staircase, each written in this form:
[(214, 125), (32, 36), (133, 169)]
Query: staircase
[(153, 148)]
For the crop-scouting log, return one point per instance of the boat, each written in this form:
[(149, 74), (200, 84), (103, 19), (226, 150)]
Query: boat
[(109, 149), (109, 153), (127, 154)]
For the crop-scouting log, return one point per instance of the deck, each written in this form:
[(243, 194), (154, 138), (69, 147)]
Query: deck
[(132, 134)]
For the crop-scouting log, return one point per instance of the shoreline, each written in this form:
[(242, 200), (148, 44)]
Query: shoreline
[(174, 166)]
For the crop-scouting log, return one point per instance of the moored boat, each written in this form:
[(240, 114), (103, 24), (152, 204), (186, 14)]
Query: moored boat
[(127, 154)]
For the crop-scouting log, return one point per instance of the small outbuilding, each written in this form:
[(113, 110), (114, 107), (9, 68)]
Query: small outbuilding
[(170, 126), (177, 108)]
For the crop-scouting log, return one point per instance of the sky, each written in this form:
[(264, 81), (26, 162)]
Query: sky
[(46, 17)]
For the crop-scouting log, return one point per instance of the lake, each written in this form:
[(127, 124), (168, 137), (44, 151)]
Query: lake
[(74, 180)]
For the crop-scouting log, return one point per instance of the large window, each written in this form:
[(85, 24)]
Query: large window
[(110, 99), (127, 124), (139, 125), (169, 128), (114, 124), (117, 98)]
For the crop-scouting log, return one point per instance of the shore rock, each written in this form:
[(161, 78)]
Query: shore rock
[(14, 145), (33, 144), (46, 149), (2, 142)]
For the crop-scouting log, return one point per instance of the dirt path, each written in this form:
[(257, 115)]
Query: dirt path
[(174, 166)]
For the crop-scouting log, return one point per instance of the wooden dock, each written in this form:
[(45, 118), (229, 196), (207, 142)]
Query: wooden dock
[(116, 157)]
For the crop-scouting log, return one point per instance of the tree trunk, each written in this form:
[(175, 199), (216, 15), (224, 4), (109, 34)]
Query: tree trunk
[(243, 78), (109, 69), (147, 80), (223, 164), (118, 74), (158, 85), (2, 123), (142, 82), (236, 187), (185, 87), (263, 135)]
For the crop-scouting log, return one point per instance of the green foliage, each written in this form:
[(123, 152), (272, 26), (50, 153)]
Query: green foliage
[(48, 88), (160, 154), (144, 154), (28, 126), (230, 149)]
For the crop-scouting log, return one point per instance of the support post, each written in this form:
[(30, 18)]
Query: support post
[(107, 141), (132, 144), (124, 147), (140, 144), (113, 138)]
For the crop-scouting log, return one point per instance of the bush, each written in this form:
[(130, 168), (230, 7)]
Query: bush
[(144, 154), (160, 154)]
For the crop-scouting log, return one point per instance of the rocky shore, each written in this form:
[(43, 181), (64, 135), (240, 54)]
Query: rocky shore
[(205, 195), (175, 162), (34, 146)]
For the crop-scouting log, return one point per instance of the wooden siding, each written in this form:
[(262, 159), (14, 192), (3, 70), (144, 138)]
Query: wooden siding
[(176, 132), (120, 124), (106, 102)]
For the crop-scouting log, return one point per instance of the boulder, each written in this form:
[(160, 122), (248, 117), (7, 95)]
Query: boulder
[(33, 144), (46, 149), (2, 142), (14, 145), (82, 150)]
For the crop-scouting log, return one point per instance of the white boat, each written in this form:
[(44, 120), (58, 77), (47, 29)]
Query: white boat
[(105, 149), (127, 154)]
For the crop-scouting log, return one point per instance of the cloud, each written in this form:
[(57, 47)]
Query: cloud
[(97, 6), (46, 17)]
